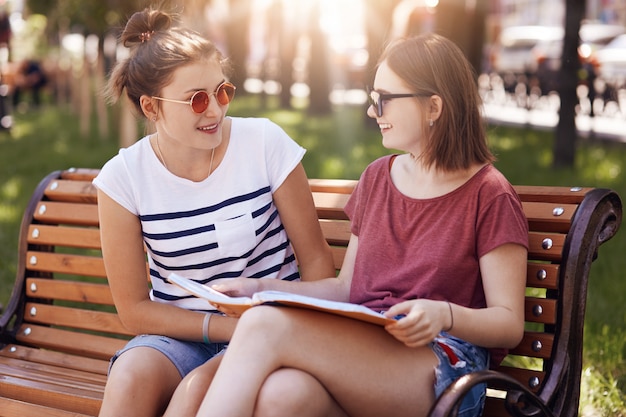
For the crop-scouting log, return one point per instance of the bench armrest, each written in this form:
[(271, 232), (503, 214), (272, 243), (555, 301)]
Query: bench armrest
[(519, 402)]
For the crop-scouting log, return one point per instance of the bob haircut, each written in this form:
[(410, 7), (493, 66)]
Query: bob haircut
[(432, 65)]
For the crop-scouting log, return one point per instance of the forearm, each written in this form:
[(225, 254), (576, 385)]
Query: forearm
[(317, 268), (490, 327), (149, 317), (328, 288)]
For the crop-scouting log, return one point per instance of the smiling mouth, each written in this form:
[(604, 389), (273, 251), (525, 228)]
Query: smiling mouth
[(384, 126), (208, 128)]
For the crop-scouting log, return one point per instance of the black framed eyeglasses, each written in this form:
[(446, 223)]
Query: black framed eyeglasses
[(199, 102), (377, 99)]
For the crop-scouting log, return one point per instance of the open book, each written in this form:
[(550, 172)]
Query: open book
[(241, 304)]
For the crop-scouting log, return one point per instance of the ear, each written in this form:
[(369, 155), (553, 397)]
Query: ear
[(149, 107), (435, 107)]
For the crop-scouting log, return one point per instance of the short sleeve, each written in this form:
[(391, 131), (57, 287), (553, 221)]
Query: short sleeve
[(114, 180), (503, 209), (283, 154)]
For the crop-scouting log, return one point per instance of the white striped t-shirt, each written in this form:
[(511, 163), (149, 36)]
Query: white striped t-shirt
[(225, 226)]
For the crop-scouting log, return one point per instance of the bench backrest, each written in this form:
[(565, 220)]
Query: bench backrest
[(62, 303)]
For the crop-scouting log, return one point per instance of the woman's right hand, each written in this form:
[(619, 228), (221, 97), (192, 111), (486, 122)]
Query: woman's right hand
[(237, 287)]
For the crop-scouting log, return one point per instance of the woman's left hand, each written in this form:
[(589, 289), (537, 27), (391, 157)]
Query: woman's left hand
[(423, 320)]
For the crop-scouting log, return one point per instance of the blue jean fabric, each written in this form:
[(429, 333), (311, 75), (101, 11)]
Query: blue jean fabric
[(457, 358), (186, 356)]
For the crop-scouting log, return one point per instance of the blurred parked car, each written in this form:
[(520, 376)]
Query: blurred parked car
[(547, 54), (512, 56), (611, 62)]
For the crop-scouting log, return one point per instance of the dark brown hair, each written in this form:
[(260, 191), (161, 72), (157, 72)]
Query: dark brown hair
[(433, 65), (156, 49)]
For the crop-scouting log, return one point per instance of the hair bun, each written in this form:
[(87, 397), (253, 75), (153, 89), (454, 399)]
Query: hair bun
[(143, 25)]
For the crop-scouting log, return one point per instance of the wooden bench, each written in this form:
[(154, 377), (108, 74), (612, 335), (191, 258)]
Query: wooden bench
[(60, 328)]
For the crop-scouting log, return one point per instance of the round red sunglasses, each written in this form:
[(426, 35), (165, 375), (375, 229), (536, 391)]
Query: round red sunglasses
[(199, 102)]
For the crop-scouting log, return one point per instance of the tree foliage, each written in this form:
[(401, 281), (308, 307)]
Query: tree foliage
[(88, 17)]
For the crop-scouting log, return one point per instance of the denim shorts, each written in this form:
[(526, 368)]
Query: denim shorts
[(457, 358), (186, 356)]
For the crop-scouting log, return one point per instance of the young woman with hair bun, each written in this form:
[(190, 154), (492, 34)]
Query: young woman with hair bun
[(206, 196)]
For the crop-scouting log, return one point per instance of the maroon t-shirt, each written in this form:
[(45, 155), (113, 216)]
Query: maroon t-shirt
[(429, 248)]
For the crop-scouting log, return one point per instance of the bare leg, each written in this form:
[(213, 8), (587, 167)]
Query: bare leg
[(141, 383), (290, 392), (190, 392), (365, 370)]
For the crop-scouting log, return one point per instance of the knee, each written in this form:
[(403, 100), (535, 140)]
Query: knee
[(134, 367), (287, 393), (267, 321)]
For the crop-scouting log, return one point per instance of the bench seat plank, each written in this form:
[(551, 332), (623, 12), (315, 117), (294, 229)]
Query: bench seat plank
[(49, 357), (82, 344), (96, 321), (57, 395), (53, 375), (16, 408)]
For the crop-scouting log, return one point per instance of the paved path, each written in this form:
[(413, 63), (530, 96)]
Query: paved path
[(602, 127)]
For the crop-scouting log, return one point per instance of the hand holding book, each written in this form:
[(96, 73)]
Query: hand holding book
[(240, 304)]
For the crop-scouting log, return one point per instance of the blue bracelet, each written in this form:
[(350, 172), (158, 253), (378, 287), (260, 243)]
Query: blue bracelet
[(205, 328)]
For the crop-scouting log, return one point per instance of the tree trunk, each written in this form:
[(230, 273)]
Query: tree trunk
[(469, 36), (319, 80), (565, 134), (379, 15), (238, 30)]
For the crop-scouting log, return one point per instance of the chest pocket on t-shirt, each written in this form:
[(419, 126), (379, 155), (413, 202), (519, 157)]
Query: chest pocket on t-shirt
[(236, 236)]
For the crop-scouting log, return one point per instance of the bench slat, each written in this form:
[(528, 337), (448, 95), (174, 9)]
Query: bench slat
[(540, 310), (338, 253), (524, 376), (97, 321), (67, 213), (16, 408), (542, 275), (66, 263), (72, 191), (545, 246), (336, 232), (49, 357), (332, 185), (75, 237), (558, 195), (83, 344), (52, 374), (535, 345), (330, 205), (58, 289), (51, 395), (80, 174), (541, 216)]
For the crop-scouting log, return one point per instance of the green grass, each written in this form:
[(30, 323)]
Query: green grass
[(340, 146)]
